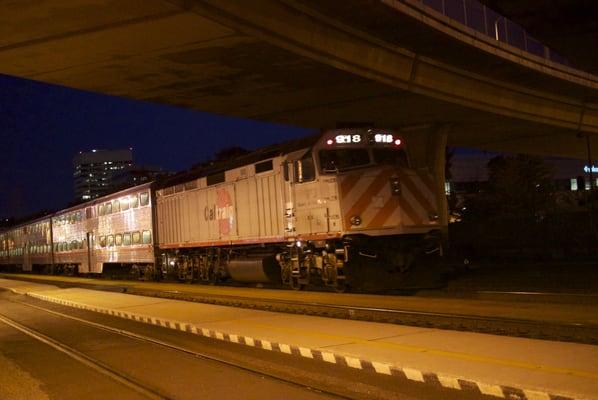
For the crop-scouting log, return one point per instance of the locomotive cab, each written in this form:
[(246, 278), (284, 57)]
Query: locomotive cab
[(378, 191)]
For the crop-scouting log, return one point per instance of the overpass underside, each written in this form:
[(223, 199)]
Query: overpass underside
[(307, 63)]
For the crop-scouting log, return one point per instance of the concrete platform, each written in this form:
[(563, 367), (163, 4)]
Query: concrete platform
[(504, 367), (582, 311)]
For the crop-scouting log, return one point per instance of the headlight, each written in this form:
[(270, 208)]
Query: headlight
[(395, 186), (355, 220)]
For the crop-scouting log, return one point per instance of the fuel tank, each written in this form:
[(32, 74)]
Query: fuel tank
[(254, 269)]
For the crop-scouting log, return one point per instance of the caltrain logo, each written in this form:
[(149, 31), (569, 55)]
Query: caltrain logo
[(222, 211)]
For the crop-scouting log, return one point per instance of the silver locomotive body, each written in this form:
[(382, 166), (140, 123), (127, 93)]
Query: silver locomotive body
[(298, 214)]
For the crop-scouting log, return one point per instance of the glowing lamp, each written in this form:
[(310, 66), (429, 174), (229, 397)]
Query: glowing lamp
[(329, 142), (398, 142)]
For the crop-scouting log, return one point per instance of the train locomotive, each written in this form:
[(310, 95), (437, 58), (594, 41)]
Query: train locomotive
[(339, 209)]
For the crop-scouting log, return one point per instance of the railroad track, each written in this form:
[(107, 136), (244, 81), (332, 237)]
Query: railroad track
[(84, 359), (116, 375), (573, 332), (567, 332)]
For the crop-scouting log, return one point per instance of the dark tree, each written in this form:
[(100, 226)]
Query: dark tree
[(518, 186)]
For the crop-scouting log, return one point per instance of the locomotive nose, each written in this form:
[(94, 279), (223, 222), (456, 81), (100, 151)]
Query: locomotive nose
[(387, 198), (369, 199)]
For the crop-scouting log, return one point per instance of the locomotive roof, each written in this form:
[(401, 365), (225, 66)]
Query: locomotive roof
[(263, 153)]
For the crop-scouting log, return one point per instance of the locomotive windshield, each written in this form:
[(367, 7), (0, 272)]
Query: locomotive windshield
[(335, 160), (390, 156), (350, 149)]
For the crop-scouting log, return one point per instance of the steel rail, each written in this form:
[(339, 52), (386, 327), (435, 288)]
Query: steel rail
[(177, 348), (518, 327), (84, 359)]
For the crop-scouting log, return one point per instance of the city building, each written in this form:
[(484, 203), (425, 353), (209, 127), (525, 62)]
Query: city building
[(94, 171)]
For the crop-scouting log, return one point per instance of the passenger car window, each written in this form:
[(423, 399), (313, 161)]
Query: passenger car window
[(115, 206), (134, 201), (103, 241), (136, 237), (147, 237), (124, 203), (127, 239), (110, 240), (144, 198), (118, 239)]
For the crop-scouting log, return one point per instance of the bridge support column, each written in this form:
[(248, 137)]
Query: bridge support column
[(437, 140)]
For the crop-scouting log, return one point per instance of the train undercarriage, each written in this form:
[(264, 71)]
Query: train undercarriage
[(357, 262)]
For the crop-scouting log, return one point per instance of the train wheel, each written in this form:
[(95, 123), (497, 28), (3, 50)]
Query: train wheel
[(295, 284), (135, 273), (212, 279), (341, 286)]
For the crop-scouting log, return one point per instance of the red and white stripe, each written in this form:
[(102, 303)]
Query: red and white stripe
[(368, 195)]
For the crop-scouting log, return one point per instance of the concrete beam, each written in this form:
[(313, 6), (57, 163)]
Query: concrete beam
[(306, 63), (303, 31)]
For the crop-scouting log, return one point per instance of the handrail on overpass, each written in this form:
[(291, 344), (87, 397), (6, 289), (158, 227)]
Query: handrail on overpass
[(477, 16)]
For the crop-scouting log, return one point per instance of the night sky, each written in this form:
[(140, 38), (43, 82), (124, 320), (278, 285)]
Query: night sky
[(43, 126)]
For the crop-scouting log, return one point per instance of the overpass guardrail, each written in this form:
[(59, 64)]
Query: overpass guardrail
[(477, 16)]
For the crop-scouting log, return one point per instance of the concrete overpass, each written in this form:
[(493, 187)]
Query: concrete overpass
[(569, 26), (394, 63)]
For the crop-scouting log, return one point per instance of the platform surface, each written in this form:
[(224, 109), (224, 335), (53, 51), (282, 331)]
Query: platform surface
[(537, 366), (581, 310)]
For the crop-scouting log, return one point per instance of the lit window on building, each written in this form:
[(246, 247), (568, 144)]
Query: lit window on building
[(573, 184)]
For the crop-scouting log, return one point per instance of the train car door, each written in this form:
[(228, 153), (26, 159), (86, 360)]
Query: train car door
[(311, 214), (289, 202), (27, 255), (90, 253)]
